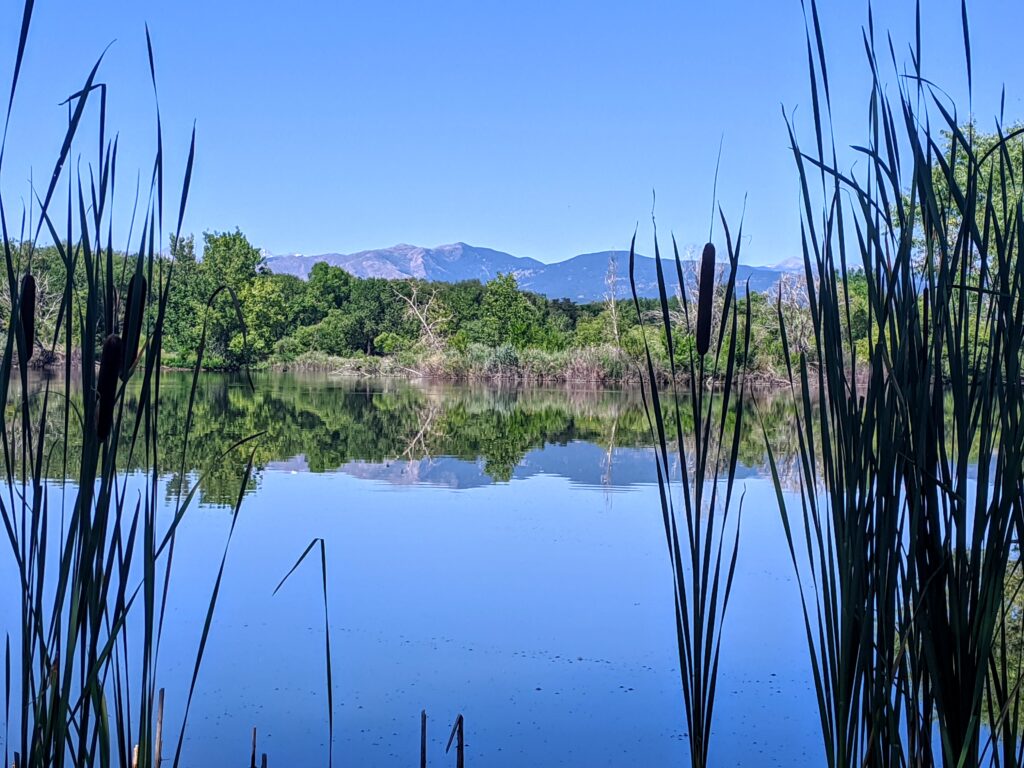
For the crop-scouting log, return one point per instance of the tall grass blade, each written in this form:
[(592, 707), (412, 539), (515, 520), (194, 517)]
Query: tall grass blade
[(327, 635), (26, 21)]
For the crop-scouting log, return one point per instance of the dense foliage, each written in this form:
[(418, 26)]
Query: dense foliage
[(251, 317)]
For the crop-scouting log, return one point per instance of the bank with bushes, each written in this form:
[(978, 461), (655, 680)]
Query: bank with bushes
[(228, 307)]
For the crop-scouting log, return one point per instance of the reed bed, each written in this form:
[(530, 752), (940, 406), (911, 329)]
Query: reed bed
[(905, 531), (696, 484), (91, 554)]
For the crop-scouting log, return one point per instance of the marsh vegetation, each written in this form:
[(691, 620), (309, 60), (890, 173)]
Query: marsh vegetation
[(880, 491)]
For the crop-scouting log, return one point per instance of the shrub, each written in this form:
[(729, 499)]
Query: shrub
[(502, 360)]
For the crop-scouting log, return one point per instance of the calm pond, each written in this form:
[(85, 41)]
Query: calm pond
[(492, 552)]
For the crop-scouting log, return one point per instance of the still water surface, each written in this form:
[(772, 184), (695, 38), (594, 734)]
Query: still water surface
[(498, 553)]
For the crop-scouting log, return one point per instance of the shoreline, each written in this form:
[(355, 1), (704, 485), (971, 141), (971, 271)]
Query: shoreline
[(391, 367), (584, 367)]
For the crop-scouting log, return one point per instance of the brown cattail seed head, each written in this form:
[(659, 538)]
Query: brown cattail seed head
[(134, 307), (106, 384), (28, 313), (706, 289)]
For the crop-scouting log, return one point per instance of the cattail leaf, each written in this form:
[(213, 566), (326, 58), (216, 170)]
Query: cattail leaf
[(7, 696), (134, 309), (212, 605), (26, 20)]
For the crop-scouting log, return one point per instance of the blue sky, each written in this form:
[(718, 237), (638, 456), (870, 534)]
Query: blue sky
[(538, 128)]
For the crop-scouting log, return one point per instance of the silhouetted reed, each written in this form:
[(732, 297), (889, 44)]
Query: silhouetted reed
[(910, 508), (91, 553), (134, 309), (701, 527)]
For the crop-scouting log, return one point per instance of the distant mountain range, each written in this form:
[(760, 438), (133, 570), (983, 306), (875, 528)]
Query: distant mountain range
[(582, 278)]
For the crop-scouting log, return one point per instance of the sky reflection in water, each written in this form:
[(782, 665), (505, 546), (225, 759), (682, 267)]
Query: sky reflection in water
[(495, 553)]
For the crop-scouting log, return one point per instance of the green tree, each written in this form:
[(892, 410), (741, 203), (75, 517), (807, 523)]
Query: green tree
[(338, 333), (269, 307), (1006, 162), (185, 302), (229, 261), (508, 316), (328, 288), (374, 309)]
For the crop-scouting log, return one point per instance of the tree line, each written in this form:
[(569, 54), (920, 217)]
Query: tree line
[(228, 304)]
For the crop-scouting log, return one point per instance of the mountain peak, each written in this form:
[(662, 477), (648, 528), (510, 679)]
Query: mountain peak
[(793, 264), (581, 278)]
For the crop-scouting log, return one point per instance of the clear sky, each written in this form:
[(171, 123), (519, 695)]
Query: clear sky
[(538, 127)]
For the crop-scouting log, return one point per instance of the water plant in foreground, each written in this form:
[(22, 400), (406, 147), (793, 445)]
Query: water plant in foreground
[(909, 515), (696, 487), (91, 555)]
